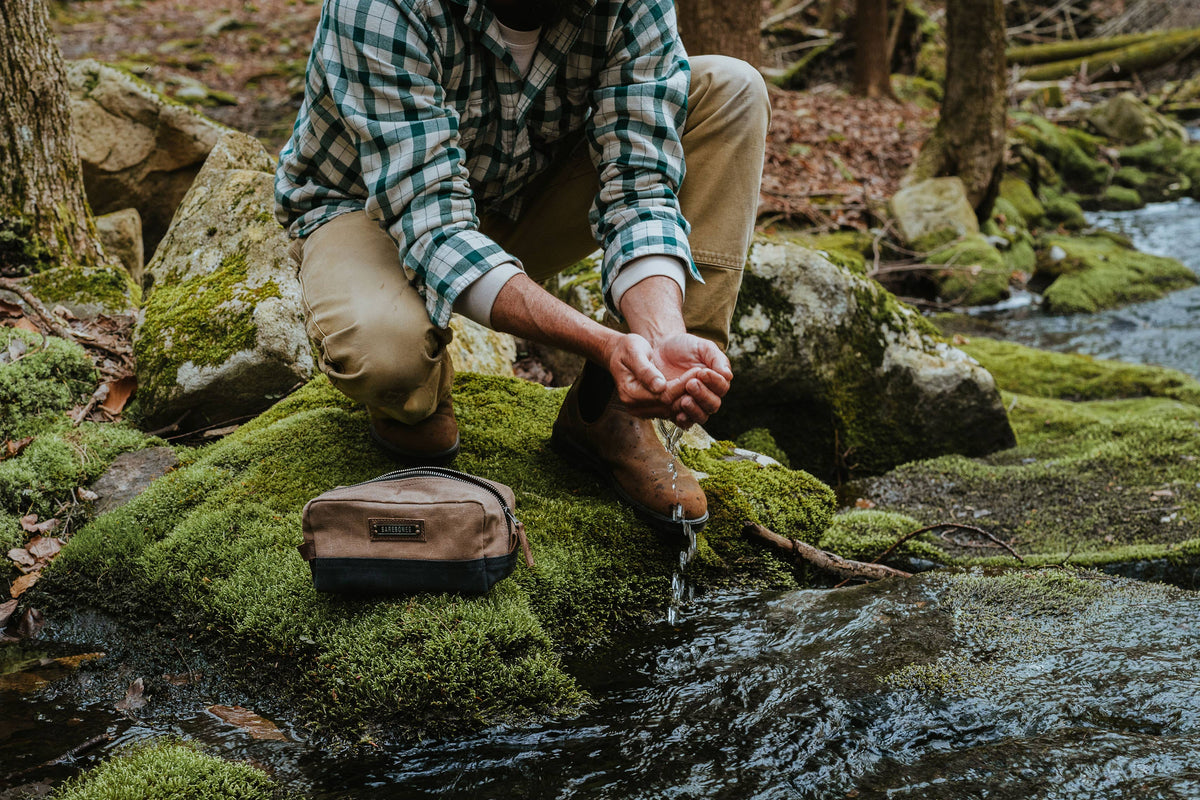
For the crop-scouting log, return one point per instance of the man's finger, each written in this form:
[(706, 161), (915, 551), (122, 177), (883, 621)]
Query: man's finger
[(702, 396), (637, 361)]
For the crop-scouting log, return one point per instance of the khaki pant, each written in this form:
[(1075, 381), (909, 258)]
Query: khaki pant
[(374, 338)]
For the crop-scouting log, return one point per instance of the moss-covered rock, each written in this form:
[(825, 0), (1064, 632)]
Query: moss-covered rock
[(865, 535), (1016, 192), (121, 234), (1063, 209), (1102, 482), (210, 549), (1072, 153), (1086, 274), (973, 273), (223, 333), (87, 292), (169, 770), (49, 377), (1066, 376), (1125, 119), (847, 378), (1121, 198)]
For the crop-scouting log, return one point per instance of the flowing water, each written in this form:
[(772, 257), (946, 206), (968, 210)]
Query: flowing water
[(681, 593)]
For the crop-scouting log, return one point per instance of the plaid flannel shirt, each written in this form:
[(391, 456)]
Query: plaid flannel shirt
[(415, 113)]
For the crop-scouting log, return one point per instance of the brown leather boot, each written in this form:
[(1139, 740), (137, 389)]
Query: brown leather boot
[(594, 429), (431, 442)]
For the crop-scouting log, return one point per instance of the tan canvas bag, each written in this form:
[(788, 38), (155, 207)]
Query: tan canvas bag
[(427, 529)]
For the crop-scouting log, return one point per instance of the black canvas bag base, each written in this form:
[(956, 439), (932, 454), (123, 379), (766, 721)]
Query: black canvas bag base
[(402, 576)]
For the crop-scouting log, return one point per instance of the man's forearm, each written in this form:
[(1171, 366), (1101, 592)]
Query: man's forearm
[(653, 309), (525, 309)]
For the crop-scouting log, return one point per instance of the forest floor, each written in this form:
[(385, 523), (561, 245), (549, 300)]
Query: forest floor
[(831, 158)]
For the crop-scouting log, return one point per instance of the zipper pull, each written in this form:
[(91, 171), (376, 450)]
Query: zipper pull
[(519, 527)]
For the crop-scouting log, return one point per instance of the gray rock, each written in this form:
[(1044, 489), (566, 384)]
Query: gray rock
[(130, 474), (137, 149), (223, 334), (848, 379), (933, 212), (478, 349), (121, 235), (1127, 120)]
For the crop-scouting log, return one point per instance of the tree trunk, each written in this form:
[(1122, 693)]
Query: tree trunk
[(725, 27), (44, 218), (872, 73), (970, 136)]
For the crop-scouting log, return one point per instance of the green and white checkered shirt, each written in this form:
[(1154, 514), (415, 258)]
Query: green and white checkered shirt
[(414, 111)]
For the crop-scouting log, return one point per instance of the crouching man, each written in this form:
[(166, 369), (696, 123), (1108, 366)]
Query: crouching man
[(451, 154)]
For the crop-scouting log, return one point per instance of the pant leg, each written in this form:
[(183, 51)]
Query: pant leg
[(369, 323)]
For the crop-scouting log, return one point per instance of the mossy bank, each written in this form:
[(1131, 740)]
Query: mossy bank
[(210, 550)]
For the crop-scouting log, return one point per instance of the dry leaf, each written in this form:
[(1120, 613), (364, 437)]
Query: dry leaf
[(86, 495), (13, 447), (23, 583), (863, 502), (6, 611), (44, 548), (182, 678), (21, 556), (119, 392), (959, 340), (134, 697), (30, 524), (25, 325), (8, 309), (28, 626), (258, 727), (64, 312)]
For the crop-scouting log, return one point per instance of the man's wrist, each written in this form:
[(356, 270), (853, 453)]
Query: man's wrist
[(653, 308)]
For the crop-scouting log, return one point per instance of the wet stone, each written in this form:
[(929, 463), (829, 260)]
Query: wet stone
[(130, 474)]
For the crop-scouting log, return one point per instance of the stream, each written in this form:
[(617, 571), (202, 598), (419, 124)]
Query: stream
[(782, 695)]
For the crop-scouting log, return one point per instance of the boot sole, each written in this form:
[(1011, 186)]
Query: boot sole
[(573, 451), (415, 459)]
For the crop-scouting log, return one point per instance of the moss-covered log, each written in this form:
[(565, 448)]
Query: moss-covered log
[(1132, 58), (44, 218), (1029, 55)]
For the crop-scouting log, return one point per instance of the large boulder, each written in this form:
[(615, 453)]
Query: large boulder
[(223, 332), (848, 379), (137, 148), (121, 235)]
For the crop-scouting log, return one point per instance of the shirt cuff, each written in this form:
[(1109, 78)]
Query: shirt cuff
[(475, 302), (643, 267)]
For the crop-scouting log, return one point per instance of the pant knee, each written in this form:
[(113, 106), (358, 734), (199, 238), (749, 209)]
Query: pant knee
[(393, 368), (731, 90)]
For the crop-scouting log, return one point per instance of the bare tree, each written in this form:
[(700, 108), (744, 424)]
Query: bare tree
[(725, 27), (44, 218), (970, 136)]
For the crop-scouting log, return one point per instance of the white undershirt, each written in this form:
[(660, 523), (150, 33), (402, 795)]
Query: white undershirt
[(476, 301)]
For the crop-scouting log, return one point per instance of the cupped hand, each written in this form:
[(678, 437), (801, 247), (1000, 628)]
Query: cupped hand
[(681, 378)]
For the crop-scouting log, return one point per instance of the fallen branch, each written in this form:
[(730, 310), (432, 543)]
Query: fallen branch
[(821, 559), (1131, 58), (48, 319), (972, 529)]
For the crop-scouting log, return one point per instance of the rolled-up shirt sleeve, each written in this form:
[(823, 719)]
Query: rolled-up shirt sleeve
[(385, 82), (640, 104)]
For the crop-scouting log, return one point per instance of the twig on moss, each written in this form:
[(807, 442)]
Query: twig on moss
[(973, 529), (48, 319), (821, 559)]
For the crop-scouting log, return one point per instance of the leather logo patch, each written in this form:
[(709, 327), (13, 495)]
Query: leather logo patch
[(397, 530)]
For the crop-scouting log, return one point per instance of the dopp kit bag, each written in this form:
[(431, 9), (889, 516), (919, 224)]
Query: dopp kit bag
[(427, 529)]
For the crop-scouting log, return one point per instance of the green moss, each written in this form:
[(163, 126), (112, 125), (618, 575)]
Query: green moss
[(760, 440), (917, 90), (847, 249), (21, 251), (865, 535), (202, 321), (975, 272), (52, 376), (1063, 209), (169, 770), (1071, 152), (1099, 273), (1017, 193), (1175, 166), (1041, 373), (1131, 177), (1121, 198), (210, 549), (111, 288), (1091, 482)]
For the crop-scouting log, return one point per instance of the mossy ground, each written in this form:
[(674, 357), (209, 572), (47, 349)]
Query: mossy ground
[(169, 770), (1090, 482), (1099, 273), (110, 289), (210, 549)]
